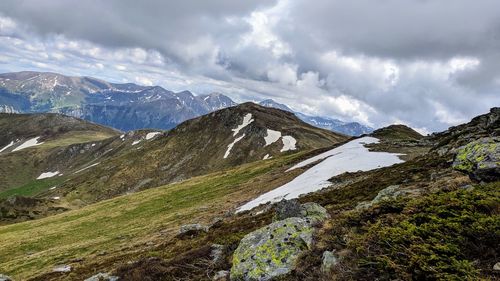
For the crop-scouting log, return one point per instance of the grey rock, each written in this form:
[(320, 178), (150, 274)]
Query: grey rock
[(5, 278), (217, 253), (389, 193), (222, 275), (287, 209), (496, 267), (314, 212), (192, 229), (62, 268), (102, 277), (329, 260)]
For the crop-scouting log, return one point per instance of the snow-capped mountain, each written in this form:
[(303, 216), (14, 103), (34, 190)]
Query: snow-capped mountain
[(348, 128), (122, 106), (126, 106)]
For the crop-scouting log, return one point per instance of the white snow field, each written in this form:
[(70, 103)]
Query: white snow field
[(272, 136), (350, 157), (288, 143), (247, 119), (47, 175), (7, 146), (230, 146), (152, 135), (28, 143)]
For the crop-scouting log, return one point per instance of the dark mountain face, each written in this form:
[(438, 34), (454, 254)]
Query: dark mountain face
[(347, 128)]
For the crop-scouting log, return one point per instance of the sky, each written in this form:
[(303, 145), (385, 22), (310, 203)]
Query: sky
[(427, 64)]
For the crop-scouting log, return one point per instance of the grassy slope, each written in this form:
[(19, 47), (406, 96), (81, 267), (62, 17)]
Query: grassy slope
[(25, 162), (116, 225)]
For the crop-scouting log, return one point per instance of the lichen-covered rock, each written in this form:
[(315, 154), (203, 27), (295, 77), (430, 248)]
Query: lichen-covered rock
[(329, 260), (272, 251), (389, 193), (314, 212), (102, 277), (480, 159)]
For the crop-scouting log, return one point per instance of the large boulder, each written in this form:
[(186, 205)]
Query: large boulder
[(480, 159), (273, 251)]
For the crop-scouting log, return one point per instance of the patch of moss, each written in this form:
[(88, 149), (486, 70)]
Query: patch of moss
[(443, 236)]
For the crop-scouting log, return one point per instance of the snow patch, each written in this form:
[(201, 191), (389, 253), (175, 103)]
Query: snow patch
[(28, 143), (90, 166), (47, 175), (272, 136), (289, 143), (247, 119), (136, 142), (350, 157), (56, 198), (230, 146), (267, 156), (152, 135), (7, 146), (52, 188)]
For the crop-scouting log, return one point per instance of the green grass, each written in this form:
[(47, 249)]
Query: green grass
[(32, 188), (76, 137), (115, 225)]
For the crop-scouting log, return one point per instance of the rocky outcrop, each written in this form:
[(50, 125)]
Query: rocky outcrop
[(480, 159), (273, 251)]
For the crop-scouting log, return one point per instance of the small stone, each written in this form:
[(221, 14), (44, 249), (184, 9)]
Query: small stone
[(5, 278), (222, 275), (62, 268), (102, 277), (217, 253), (192, 229), (329, 261)]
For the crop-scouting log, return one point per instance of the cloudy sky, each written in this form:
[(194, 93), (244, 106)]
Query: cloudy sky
[(428, 64)]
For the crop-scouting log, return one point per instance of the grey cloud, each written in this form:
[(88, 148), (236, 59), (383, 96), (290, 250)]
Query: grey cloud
[(203, 48)]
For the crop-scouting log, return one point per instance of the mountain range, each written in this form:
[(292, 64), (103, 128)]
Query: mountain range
[(125, 106)]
